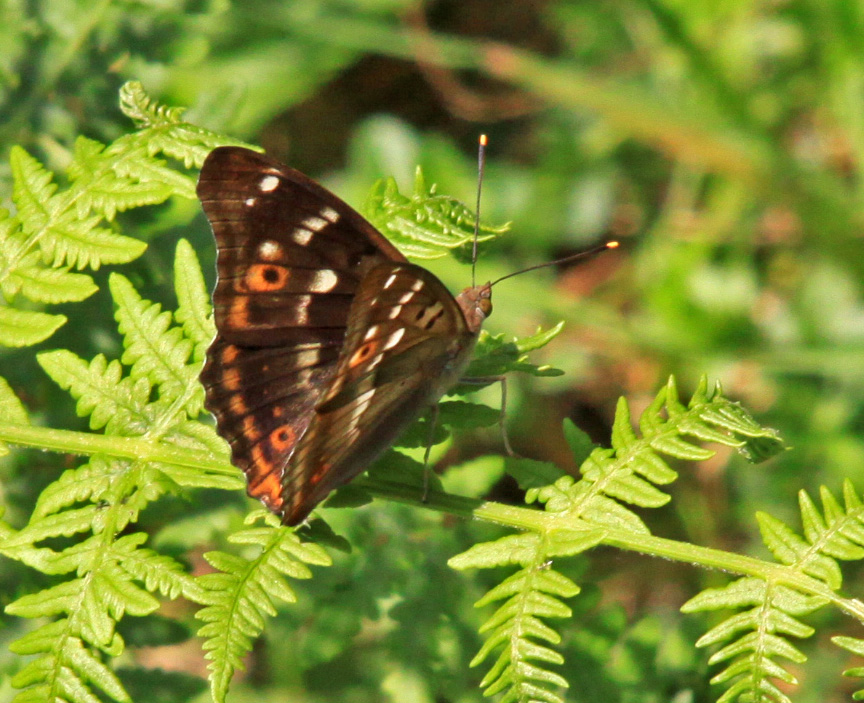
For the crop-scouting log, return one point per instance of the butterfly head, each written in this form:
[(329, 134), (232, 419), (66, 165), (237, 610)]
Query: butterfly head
[(476, 304)]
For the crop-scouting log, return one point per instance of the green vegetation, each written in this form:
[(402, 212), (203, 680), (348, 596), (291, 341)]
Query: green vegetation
[(721, 143)]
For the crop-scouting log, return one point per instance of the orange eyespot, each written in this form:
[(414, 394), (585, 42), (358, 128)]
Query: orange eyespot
[(266, 277), (282, 438), (362, 354)]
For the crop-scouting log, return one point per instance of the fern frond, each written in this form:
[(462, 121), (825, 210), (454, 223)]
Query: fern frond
[(632, 469), (240, 596), (94, 505), (138, 106), (516, 628), (769, 611), (581, 514), (426, 225), (772, 616), (495, 356), (68, 662), (58, 229), (63, 233), (166, 132), (193, 302), (154, 348), (116, 403)]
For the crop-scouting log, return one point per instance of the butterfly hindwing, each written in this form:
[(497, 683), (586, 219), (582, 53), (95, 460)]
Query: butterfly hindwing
[(406, 343)]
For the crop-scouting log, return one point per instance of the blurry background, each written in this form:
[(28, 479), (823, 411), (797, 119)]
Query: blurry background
[(720, 141)]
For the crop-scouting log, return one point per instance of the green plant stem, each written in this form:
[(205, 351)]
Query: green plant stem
[(70, 442), (541, 521)]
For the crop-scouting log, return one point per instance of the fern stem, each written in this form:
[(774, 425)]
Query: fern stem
[(69, 442), (543, 522)]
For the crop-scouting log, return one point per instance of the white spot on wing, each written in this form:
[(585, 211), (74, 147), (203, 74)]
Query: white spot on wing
[(308, 357), (360, 404), (394, 313), (328, 213), (406, 297), (325, 280), (301, 313), (268, 184), (389, 282), (269, 250), (371, 332), (301, 236), (394, 338), (417, 285), (316, 224), (249, 202)]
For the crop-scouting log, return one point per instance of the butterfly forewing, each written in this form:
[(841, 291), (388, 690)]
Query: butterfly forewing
[(329, 343), (290, 254), (290, 257)]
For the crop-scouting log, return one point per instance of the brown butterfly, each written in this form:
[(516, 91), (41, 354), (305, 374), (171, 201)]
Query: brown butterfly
[(329, 344)]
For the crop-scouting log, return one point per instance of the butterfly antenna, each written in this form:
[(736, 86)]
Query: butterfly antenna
[(579, 255), (481, 164)]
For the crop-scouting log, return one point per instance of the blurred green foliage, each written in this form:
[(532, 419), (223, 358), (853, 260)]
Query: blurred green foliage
[(722, 142)]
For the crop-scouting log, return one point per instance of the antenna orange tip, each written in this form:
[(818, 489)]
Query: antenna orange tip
[(612, 245), (484, 140)]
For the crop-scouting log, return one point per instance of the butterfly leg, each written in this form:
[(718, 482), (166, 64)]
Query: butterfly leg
[(485, 381), (433, 422)]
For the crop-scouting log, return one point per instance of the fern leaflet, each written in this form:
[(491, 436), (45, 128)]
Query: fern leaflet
[(425, 225), (581, 514), (769, 609), (241, 594), (109, 572), (57, 229)]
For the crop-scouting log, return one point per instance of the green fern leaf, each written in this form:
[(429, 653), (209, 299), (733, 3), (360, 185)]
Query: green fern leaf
[(493, 356), (63, 237), (165, 130), (137, 105), (426, 225), (116, 403), (241, 595), (44, 285), (838, 535), (12, 411), (193, 301), (24, 328), (154, 348), (789, 548), (120, 177), (63, 677)]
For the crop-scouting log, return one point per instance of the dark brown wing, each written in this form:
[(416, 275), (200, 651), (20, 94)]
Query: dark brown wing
[(291, 256), (406, 344)]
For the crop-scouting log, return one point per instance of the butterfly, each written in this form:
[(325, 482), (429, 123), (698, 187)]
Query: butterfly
[(329, 342)]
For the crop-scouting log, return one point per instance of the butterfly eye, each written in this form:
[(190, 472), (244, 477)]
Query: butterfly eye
[(485, 305)]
